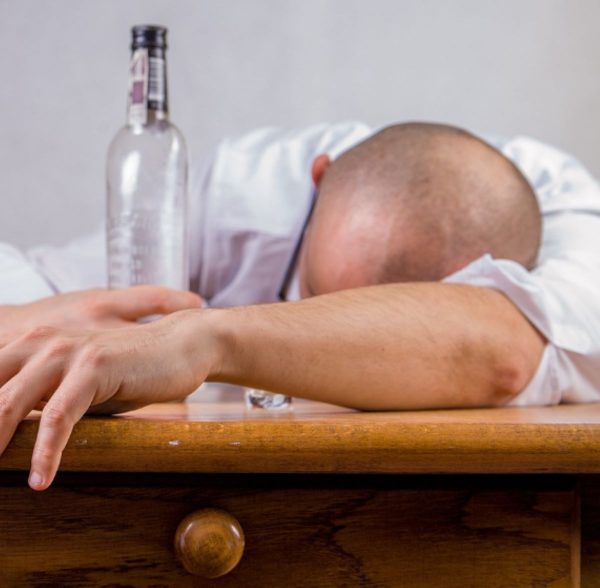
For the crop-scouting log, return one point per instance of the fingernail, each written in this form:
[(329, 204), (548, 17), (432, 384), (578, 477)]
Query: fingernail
[(35, 479)]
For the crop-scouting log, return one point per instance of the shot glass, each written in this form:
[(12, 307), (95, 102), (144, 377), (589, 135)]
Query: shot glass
[(259, 399)]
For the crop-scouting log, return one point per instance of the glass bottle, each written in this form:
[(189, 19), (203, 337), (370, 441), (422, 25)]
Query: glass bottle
[(147, 177)]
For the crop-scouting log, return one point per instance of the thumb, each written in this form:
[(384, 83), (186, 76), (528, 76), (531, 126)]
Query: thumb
[(138, 301)]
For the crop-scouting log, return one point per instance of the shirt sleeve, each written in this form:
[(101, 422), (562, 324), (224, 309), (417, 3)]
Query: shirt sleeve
[(47, 270), (19, 280), (560, 297)]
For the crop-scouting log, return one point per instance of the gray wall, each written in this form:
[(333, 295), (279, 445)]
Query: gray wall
[(510, 66)]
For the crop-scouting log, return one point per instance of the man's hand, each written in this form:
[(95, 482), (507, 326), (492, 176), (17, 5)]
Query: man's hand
[(66, 374), (94, 309)]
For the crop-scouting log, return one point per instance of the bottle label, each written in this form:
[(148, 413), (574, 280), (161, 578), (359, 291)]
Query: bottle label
[(156, 83), (138, 87)]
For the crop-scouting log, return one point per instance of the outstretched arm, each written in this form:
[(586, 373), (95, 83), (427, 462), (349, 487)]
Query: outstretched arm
[(397, 346), (384, 347)]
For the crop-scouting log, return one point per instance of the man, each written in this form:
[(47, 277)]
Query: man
[(401, 210)]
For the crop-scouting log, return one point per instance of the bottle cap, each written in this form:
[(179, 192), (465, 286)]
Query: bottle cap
[(148, 36)]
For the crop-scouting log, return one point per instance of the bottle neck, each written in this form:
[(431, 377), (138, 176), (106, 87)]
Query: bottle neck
[(148, 98)]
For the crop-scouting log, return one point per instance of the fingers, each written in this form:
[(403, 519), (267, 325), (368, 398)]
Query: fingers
[(11, 360), (140, 301), (65, 408), (31, 369), (22, 393), (15, 354)]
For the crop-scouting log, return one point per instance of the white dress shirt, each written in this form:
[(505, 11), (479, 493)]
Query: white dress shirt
[(248, 204)]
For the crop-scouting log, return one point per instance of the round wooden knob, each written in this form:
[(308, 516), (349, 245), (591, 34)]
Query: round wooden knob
[(209, 542)]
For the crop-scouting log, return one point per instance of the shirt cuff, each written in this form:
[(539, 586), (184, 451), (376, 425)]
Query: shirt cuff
[(529, 295)]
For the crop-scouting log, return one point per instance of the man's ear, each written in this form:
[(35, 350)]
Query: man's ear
[(319, 167)]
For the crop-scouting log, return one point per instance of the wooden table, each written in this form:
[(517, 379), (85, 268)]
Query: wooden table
[(326, 497)]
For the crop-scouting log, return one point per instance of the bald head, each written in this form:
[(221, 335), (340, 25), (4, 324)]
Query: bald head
[(416, 202)]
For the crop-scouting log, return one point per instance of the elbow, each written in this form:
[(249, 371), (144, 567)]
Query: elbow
[(512, 375)]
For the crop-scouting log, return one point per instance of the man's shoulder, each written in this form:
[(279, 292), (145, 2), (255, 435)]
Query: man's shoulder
[(330, 138), (254, 201), (560, 181), (265, 175)]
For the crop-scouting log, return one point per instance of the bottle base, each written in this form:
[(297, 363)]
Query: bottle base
[(259, 399)]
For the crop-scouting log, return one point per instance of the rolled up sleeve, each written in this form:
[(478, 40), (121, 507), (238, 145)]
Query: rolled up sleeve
[(559, 301), (561, 296)]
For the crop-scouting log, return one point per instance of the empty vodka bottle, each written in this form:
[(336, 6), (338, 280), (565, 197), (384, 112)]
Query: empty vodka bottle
[(147, 177)]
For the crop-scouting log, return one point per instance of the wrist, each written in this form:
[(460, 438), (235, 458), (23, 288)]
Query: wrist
[(234, 359), (206, 340)]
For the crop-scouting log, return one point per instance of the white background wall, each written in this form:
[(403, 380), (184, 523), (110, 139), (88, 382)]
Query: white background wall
[(510, 66)]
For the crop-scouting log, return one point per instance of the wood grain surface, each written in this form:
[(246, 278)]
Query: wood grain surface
[(322, 438), (301, 531)]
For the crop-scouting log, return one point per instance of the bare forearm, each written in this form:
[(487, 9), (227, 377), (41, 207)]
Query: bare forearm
[(396, 346)]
